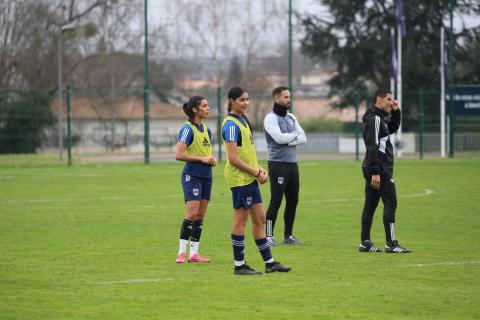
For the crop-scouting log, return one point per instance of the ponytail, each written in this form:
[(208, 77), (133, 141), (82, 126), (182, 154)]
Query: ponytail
[(194, 102)]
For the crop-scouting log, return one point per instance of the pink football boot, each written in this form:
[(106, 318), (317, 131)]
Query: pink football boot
[(180, 258), (198, 258)]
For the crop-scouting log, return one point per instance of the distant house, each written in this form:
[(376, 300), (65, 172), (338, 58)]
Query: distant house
[(96, 123), (314, 83), (321, 108), (196, 84)]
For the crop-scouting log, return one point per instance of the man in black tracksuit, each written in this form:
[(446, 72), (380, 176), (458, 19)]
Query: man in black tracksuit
[(379, 121)]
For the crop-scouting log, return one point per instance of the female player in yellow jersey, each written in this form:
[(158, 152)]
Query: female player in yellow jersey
[(243, 173), (194, 147)]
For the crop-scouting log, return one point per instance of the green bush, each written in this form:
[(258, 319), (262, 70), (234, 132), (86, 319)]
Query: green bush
[(327, 126), (24, 122)]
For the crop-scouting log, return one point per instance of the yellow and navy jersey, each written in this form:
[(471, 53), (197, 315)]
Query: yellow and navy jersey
[(235, 129), (198, 140)]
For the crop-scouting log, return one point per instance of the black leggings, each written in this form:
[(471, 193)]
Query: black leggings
[(284, 179), (388, 193)]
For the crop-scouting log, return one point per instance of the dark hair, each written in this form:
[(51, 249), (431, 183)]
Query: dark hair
[(234, 94), (279, 90), (194, 102), (380, 93)]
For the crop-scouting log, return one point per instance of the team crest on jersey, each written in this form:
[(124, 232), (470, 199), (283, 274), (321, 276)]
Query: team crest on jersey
[(249, 200), (187, 177), (205, 142), (280, 180), (196, 192)]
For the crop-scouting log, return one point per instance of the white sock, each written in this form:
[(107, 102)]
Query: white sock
[(193, 248), (183, 246), (270, 261), (239, 263)]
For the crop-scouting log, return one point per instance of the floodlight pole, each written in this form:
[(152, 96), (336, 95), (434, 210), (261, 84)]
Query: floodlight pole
[(146, 90), (60, 99), (65, 28), (290, 52), (219, 122), (357, 126), (420, 103), (69, 125), (451, 44)]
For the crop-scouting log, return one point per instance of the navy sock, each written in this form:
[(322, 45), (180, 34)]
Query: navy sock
[(197, 230), (238, 243), (264, 249), (186, 229)]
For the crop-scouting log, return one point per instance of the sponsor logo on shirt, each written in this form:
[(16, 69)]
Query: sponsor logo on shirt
[(205, 142)]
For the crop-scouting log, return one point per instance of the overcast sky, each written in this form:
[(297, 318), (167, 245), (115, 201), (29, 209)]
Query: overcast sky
[(160, 12), (165, 13)]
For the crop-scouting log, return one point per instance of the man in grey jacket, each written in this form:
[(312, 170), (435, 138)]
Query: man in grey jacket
[(283, 133)]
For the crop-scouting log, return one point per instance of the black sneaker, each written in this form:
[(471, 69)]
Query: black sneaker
[(276, 267), (245, 270), (368, 246), (393, 247)]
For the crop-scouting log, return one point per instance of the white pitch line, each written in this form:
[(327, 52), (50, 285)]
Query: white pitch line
[(115, 198), (60, 175), (446, 263), (131, 281), (426, 192)]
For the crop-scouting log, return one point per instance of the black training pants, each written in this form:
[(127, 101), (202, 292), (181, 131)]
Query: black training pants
[(284, 179), (388, 193)]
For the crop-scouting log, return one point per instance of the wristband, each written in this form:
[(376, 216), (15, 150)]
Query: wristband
[(258, 175)]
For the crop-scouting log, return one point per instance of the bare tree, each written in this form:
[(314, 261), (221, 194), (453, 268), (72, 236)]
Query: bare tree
[(30, 30), (207, 23), (14, 20), (217, 31), (108, 68)]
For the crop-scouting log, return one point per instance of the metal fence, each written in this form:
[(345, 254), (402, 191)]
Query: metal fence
[(108, 123)]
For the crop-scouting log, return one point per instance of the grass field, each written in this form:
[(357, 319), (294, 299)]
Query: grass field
[(99, 242)]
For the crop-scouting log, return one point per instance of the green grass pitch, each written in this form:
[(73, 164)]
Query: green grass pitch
[(100, 241)]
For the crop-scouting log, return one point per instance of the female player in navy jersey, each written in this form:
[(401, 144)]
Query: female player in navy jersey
[(194, 147), (243, 173)]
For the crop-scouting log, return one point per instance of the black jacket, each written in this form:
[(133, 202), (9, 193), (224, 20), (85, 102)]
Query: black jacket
[(377, 126)]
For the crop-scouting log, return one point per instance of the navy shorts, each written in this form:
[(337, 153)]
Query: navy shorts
[(246, 196), (196, 188)]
